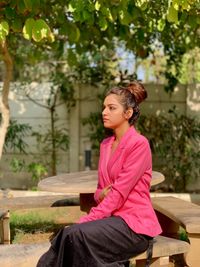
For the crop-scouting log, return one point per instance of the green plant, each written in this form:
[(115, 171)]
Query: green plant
[(183, 234), (175, 141), (50, 142), (15, 142), (15, 136), (36, 169)]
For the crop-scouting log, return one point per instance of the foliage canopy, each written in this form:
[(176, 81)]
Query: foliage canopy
[(86, 25)]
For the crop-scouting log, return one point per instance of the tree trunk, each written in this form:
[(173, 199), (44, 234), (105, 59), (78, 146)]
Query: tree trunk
[(4, 105)]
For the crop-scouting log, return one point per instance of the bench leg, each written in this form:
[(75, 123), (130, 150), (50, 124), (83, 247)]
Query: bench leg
[(87, 201), (155, 262), (5, 231), (193, 256), (169, 227)]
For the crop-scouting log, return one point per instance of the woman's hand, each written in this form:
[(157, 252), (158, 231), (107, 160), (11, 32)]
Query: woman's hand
[(104, 192)]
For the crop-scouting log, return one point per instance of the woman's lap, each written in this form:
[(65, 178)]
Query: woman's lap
[(105, 242)]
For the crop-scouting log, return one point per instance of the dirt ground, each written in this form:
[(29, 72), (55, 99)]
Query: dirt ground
[(34, 238)]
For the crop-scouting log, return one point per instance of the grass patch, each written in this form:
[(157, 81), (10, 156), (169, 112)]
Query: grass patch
[(183, 234), (41, 222), (33, 221)]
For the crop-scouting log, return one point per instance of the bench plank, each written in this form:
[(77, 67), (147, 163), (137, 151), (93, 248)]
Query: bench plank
[(166, 246), (185, 213), (39, 201)]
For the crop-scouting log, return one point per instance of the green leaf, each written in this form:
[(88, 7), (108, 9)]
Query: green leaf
[(60, 18), (140, 35), (103, 23), (142, 4), (45, 30), (28, 28), (28, 4), (71, 8), (161, 25), (63, 30), (21, 6), (114, 13), (105, 11), (125, 17), (186, 5), (172, 15), (86, 15), (17, 25), (39, 31), (198, 20), (9, 12), (71, 30), (175, 4), (51, 37), (71, 58), (192, 20), (91, 7), (4, 30), (36, 5), (110, 16), (5, 27), (76, 34), (97, 5)]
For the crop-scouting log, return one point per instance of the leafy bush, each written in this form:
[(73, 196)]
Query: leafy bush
[(175, 140)]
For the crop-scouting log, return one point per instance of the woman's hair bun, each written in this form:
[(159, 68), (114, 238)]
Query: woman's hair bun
[(138, 90)]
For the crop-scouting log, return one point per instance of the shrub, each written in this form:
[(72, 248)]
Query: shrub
[(175, 140)]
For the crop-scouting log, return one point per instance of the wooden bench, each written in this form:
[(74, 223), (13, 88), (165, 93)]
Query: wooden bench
[(27, 255), (39, 201), (173, 213), (4, 227)]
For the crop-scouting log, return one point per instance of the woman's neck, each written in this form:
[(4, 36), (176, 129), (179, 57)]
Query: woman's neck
[(119, 132)]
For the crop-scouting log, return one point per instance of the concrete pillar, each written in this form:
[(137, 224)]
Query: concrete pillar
[(74, 125)]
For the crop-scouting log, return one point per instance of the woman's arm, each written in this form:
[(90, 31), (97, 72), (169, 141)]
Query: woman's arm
[(101, 192)]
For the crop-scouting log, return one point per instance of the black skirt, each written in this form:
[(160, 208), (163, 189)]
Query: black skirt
[(107, 242)]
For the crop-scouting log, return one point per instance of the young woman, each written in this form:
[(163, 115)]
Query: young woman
[(123, 223)]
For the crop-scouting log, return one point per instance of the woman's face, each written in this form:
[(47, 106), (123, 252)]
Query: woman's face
[(113, 112)]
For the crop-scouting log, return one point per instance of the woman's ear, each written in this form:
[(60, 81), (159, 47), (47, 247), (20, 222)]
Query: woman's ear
[(128, 113)]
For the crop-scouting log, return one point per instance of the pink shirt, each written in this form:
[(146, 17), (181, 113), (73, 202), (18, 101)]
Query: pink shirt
[(129, 171)]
